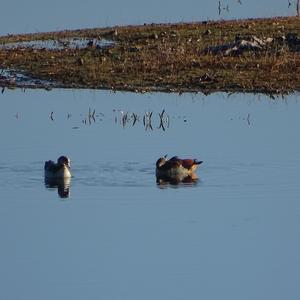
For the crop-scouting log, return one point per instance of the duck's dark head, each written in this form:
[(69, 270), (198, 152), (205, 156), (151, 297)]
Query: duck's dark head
[(64, 160)]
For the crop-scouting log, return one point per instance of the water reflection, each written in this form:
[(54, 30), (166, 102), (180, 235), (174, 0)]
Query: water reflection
[(176, 181), (62, 184), (148, 119)]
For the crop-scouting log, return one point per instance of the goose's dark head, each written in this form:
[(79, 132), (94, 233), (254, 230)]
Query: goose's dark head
[(160, 162), (64, 160)]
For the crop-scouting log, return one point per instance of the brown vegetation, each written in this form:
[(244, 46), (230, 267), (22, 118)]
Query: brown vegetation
[(168, 57)]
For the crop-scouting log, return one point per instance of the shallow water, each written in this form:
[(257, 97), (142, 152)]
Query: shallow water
[(233, 234), (17, 78), (62, 44)]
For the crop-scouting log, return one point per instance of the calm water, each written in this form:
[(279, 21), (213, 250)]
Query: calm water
[(233, 235), (36, 16)]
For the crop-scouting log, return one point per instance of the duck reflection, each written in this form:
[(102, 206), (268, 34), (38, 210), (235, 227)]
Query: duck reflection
[(177, 180), (62, 185)]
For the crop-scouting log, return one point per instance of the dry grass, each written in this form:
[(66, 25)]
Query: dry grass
[(166, 57)]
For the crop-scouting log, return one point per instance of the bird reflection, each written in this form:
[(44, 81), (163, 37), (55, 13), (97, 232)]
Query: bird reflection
[(188, 180), (62, 185)]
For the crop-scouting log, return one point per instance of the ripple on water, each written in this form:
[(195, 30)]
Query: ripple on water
[(114, 174), (217, 176), (23, 176), (245, 176)]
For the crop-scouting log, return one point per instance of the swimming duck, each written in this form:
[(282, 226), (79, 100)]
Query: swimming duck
[(58, 170), (176, 167)]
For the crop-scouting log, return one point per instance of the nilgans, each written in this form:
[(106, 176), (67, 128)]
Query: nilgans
[(59, 170), (176, 167)]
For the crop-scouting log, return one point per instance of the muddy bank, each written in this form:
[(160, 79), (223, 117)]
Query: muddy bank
[(259, 55)]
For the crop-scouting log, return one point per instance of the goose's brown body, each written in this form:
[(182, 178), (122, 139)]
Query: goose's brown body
[(176, 166)]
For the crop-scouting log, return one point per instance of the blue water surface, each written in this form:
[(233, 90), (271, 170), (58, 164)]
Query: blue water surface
[(39, 16), (232, 235)]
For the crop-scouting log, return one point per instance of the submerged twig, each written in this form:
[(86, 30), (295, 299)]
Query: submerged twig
[(135, 118), (148, 121)]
